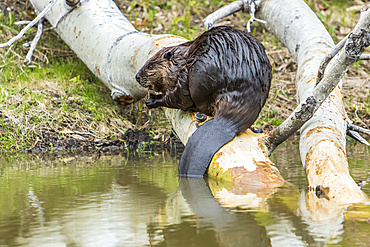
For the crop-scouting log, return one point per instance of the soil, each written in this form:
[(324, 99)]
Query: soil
[(280, 104), (132, 141)]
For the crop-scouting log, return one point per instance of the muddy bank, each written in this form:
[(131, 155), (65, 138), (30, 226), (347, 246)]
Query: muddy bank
[(131, 141), (74, 112)]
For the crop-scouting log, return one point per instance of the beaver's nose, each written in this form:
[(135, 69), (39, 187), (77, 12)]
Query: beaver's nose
[(137, 77)]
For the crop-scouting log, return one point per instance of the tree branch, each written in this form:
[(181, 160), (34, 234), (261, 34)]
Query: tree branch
[(328, 58), (357, 42), (29, 25), (358, 129), (334, 52), (222, 12), (35, 41), (355, 135), (252, 6), (245, 5), (365, 57)]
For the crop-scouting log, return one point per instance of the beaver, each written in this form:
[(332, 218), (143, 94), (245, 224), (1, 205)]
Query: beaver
[(224, 73)]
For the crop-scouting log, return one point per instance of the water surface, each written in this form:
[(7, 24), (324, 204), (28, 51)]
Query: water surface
[(140, 201)]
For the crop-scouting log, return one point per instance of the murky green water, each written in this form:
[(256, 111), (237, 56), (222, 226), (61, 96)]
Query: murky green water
[(114, 201)]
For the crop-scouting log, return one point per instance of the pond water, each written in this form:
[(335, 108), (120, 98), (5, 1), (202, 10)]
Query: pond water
[(140, 201)]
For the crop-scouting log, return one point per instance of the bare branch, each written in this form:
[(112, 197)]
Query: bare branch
[(245, 5), (358, 129), (20, 23), (355, 135), (365, 57), (8, 51), (16, 54), (328, 58), (356, 44), (85, 133), (222, 12), (31, 24), (252, 6), (35, 41)]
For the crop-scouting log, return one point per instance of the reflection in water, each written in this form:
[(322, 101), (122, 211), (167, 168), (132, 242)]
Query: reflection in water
[(231, 229), (113, 201), (325, 225)]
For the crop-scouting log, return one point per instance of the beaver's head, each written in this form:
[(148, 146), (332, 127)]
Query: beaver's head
[(160, 72)]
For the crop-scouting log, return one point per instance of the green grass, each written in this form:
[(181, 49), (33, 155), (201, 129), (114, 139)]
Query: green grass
[(50, 96), (57, 91)]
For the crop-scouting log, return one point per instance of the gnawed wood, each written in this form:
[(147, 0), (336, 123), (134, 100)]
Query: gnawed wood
[(322, 141), (114, 50)]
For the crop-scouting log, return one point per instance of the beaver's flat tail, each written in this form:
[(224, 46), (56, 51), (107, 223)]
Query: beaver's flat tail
[(202, 145)]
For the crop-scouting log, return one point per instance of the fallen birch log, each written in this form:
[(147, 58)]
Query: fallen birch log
[(322, 144), (323, 137), (111, 47)]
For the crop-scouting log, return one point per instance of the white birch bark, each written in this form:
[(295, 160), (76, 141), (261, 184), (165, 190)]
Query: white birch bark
[(322, 141), (107, 42), (111, 47)]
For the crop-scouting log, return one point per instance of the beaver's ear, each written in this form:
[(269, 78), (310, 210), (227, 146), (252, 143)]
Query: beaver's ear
[(168, 55)]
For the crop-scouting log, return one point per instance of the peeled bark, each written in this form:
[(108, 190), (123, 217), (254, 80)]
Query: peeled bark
[(322, 141), (111, 47)]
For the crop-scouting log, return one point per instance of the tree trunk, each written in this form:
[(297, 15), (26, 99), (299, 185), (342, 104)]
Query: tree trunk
[(111, 47), (106, 42), (323, 137)]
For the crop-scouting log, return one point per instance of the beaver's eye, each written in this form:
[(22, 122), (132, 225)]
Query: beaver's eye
[(168, 55)]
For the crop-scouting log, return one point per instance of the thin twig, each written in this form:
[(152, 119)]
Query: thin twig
[(245, 5), (7, 52), (358, 129), (16, 54), (356, 136), (85, 133), (31, 24), (34, 41), (353, 131), (365, 57), (222, 12), (305, 110), (34, 145), (20, 23), (358, 118), (48, 29), (252, 8), (328, 58)]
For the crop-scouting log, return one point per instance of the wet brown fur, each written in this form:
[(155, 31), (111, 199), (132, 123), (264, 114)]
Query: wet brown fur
[(224, 73), (159, 74)]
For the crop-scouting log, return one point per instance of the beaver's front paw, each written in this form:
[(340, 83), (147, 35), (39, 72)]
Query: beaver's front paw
[(151, 102), (155, 96)]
